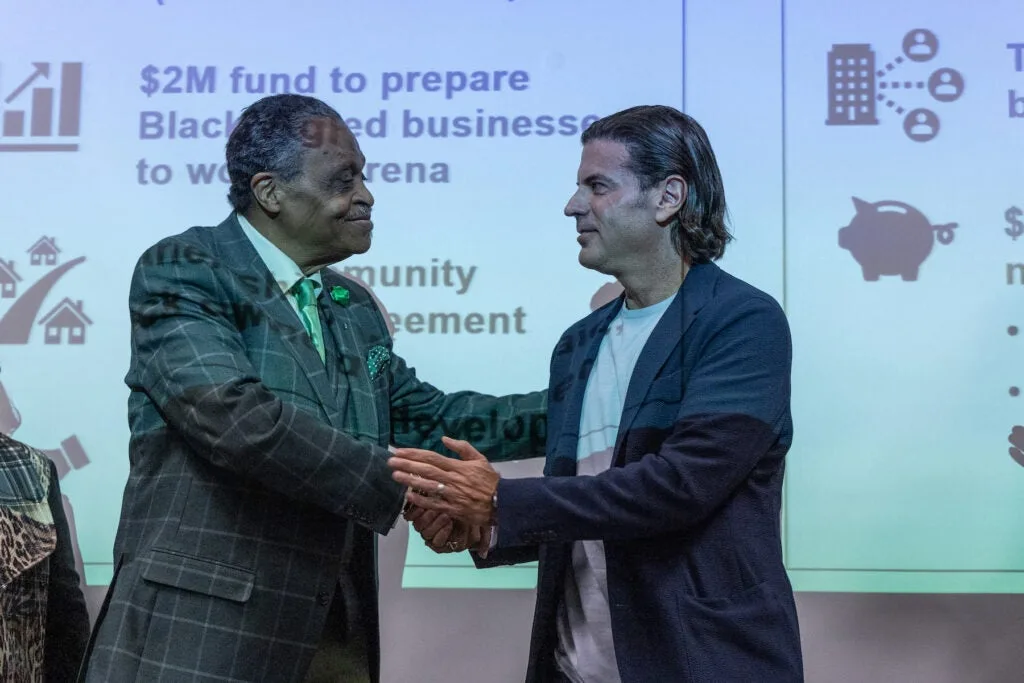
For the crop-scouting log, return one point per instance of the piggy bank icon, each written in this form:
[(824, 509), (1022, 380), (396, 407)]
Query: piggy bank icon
[(891, 238)]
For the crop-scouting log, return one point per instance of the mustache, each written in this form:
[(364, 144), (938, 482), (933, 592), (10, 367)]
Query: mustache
[(361, 215)]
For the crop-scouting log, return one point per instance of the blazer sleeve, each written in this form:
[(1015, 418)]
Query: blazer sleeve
[(189, 358), (733, 410), (67, 619), (503, 428)]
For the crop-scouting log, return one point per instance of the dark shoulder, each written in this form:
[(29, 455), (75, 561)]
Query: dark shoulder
[(743, 308), (197, 245), (731, 292)]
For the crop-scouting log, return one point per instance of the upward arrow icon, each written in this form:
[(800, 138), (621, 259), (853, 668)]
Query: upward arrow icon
[(42, 69)]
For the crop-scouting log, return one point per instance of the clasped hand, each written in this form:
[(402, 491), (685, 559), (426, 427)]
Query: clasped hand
[(449, 501)]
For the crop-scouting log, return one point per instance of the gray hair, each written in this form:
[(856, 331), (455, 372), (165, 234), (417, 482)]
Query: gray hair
[(271, 136)]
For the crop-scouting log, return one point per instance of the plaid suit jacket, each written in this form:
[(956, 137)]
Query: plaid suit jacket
[(689, 510), (255, 467)]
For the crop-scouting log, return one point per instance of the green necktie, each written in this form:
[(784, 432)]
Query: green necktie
[(306, 299)]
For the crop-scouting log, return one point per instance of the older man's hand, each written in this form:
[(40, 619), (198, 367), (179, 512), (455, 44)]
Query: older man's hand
[(463, 490), (442, 535)]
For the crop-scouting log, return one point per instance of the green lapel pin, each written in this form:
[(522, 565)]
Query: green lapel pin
[(340, 295)]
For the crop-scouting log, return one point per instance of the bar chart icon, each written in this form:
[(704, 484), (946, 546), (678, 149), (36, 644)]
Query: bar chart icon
[(31, 128)]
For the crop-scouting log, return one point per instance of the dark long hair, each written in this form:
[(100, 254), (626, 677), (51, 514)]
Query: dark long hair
[(663, 141)]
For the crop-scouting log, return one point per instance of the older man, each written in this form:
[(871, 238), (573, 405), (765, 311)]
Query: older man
[(264, 394)]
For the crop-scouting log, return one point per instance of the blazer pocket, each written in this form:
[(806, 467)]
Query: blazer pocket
[(199, 575), (753, 592)]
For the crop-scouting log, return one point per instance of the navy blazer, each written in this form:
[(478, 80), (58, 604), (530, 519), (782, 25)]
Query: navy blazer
[(689, 512)]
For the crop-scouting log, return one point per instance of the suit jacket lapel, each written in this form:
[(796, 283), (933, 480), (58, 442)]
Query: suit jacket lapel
[(238, 254), (353, 370), (667, 334), (589, 338)]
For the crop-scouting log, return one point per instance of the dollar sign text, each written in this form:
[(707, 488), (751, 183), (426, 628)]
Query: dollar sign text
[(173, 80), (1016, 227)]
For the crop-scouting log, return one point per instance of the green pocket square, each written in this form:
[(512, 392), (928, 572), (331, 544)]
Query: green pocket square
[(377, 359)]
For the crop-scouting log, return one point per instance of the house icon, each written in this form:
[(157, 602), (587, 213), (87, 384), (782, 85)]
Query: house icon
[(8, 280), (44, 252), (67, 315)]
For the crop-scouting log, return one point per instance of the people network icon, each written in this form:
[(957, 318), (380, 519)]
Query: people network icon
[(860, 86)]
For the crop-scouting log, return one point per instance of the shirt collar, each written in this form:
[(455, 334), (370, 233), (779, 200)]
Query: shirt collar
[(284, 271)]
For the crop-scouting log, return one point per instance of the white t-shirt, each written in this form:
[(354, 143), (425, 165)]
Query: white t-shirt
[(585, 651)]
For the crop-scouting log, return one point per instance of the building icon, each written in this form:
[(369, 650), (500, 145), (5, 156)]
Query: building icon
[(67, 316), (30, 127), (44, 252), (851, 85), (8, 280)]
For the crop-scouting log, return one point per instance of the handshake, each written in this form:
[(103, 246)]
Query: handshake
[(449, 502)]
